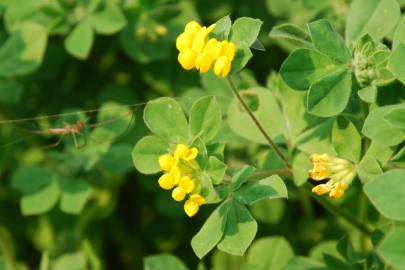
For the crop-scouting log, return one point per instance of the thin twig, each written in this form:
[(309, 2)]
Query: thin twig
[(70, 113), (257, 123)]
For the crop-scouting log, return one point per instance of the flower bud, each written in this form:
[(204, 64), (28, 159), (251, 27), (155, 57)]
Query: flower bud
[(321, 189), (166, 181), (166, 162), (187, 58), (204, 62), (222, 66), (199, 40), (191, 208), (186, 153), (178, 194), (183, 41), (192, 28), (187, 184)]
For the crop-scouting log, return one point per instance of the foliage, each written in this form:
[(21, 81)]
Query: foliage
[(281, 125)]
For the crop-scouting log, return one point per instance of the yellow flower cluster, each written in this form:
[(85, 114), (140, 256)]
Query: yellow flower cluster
[(199, 52), (178, 170), (340, 173)]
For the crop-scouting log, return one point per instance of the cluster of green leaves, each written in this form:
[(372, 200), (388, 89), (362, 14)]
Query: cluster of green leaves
[(231, 225)]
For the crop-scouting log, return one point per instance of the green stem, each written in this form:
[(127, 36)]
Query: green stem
[(324, 203), (337, 211), (258, 125)]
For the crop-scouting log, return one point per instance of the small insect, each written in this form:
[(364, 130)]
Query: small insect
[(77, 128), (72, 129)]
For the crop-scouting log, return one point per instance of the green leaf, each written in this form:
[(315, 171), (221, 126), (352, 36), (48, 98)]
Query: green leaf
[(270, 253), (108, 21), (70, 261), (386, 192), (222, 28), (163, 261), (334, 263), (396, 117), (303, 263), (117, 160), (300, 167), (346, 139), (305, 66), (23, 52), (396, 63), (264, 104), (75, 195), (241, 176), (330, 95), (165, 118), (379, 130), (368, 94), (216, 170), (211, 232), (240, 230), (399, 35), (297, 119), (374, 17), (245, 31), (268, 211), (368, 169), (272, 187), (146, 154), (207, 189), (79, 42), (392, 248), (328, 41), (291, 33), (205, 118), (377, 155), (346, 249), (40, 201), (317, 139), (116, 117), (30, 179), (242, 57)]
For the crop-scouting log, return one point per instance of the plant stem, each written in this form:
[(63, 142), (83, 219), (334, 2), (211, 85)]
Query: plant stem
[(257, 123), (337, 211), (324, 203)]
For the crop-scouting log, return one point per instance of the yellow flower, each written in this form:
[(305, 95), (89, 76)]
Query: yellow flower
[(183, 41), (187, 184), (199, 40), (166, 162), (340, 173), (192, 28), (186, 153), (204, 62), (321, 189), (196, 52), (193, 204), (213, 48), (222, 66), (166, 181), (170, 179), (187, 58), (178, 194)]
